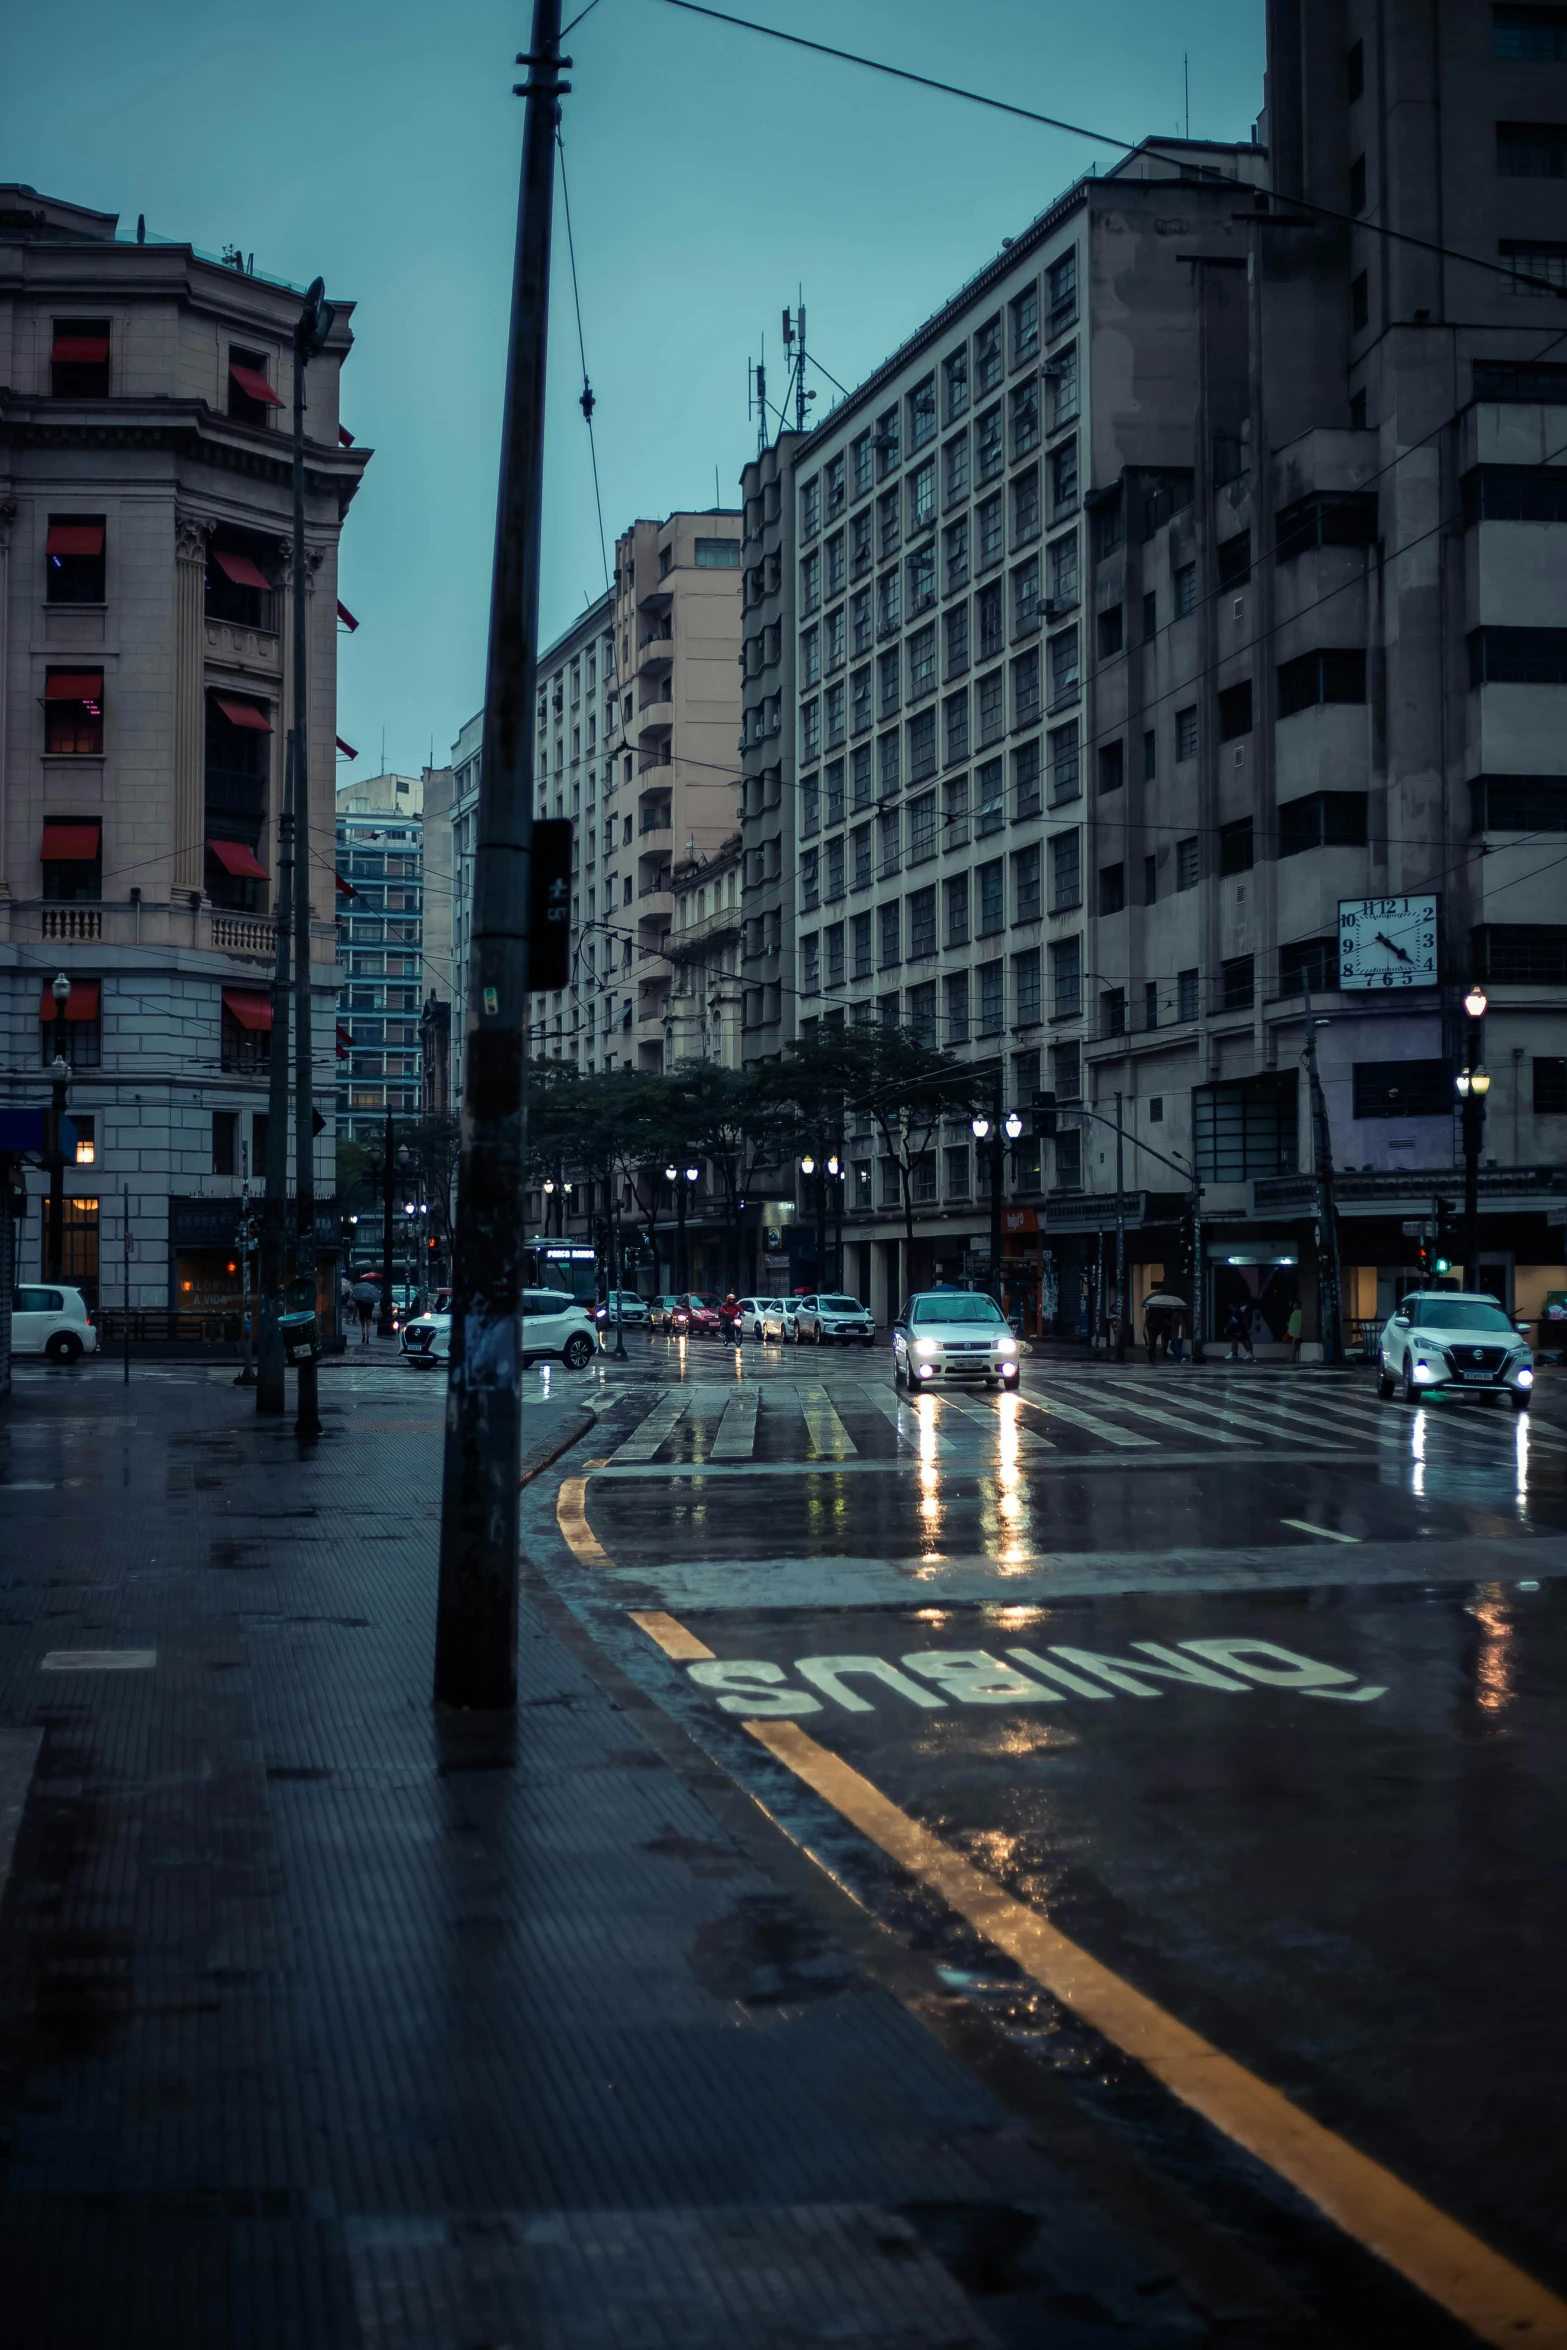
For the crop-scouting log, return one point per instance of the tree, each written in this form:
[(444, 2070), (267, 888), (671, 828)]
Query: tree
[(740, 1121)]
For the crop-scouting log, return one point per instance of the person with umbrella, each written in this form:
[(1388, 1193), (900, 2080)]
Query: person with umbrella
[(1162, 1313)]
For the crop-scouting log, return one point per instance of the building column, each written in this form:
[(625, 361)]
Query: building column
[(190, 717), (7, 517)]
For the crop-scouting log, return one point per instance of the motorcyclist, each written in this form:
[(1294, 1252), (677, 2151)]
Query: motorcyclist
[(729, 1317)]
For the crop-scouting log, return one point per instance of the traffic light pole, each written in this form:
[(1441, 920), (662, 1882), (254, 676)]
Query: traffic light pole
[(1330, 1312), (476, 1604)]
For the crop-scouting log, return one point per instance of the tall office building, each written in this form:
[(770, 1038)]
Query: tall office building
[(1174, 637), (394, 946), (145, 692)]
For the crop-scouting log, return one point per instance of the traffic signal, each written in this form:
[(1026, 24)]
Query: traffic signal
[(1425, 1260), (1444, 1265)]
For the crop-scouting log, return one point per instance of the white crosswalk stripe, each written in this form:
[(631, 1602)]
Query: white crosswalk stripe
[(829, 1437), (657, 1428), (1105, 1430), (911, 1424), (1028, 1439), (1177, 1419), (736, 1437)]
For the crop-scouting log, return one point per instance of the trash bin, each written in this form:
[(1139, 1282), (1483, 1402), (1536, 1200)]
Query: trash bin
[(301, 1337)]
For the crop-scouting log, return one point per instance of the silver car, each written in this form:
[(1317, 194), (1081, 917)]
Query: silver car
[(953, 1334), (1445, 1342), (834, 1321)]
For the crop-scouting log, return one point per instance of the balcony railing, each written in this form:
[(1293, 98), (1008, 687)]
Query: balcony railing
[(186, 920)]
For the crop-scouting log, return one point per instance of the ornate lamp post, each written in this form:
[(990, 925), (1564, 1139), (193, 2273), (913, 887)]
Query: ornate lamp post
[(1473, 1084), (60, 989)]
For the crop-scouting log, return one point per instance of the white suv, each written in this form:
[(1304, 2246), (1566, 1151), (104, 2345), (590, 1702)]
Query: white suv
[(52, 1321), (1447, 1340)]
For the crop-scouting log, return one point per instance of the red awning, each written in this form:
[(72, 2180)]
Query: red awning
[(344, 1042), (71, 844), (346, 617), (240, 569), (345, 889), (235, 858), (345, 437), (74, 685), (74, 538), (347, 749), (251, 1011), (88, 348), (243, 714), (251, 382), (81, 1004)]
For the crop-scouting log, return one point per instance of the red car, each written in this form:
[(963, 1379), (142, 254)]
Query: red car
[(696, 1317)]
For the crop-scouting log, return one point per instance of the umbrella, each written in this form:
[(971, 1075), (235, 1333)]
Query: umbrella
[(1163, 1297)]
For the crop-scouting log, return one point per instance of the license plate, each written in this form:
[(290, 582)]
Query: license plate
[(1487, 1376)]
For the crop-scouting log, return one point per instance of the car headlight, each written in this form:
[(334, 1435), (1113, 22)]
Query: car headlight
[(1006, 1346), (1426, 1371), (1525, 1375), (927, 1347)]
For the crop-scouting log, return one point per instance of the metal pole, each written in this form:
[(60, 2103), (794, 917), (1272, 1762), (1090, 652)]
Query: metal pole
[(1120, 1236), (1472, 1127), (1197, 1353), (821, 1212), (1330, 1307), (270, 1277), (307, 1420), (617, 1252), (682, 1282), (56, 1265), (125, 1264), (383, 1324), (247, 1367), (476, 1608)]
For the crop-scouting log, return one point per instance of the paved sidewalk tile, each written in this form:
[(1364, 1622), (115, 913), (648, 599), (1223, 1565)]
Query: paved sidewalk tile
[(329, 2024)]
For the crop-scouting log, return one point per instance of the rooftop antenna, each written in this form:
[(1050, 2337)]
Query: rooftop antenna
[(756, 398), (1186, 77), (794, 338)]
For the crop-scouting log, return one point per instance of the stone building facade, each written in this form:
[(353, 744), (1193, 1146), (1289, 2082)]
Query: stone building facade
[(145, 682), (703, 1006)]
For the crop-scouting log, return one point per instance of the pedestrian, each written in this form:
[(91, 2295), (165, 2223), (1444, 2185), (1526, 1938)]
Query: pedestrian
[(1177, 1335), (1237, 1330), (366, 1297), (1296, 1325)]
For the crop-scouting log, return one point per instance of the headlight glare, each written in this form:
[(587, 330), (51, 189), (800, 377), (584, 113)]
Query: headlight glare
[(1525, 1376), (1006, 1346), (926, 1347)]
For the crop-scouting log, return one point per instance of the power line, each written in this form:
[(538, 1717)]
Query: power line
[(585, 398)]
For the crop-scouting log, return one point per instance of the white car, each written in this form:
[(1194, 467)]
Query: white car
[(777, 1318), (52, 1321), (552, 1325), (834, 1321), (632, 1314), (1449, 1341), (751, 1312), (953, 1334)]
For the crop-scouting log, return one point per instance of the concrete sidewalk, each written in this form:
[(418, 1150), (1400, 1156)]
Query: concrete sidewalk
[(326, 2021)]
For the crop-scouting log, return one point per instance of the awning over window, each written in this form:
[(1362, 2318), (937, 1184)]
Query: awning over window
[(71, 844), (74, 685), (345, 437), (74, 538), (347, 749), (243, 714), (83, 1002), (251, 1011), (240, 569), (345, 889), (345, 1042), (347, 618), (251, 382), (82, 349), (235, 858)]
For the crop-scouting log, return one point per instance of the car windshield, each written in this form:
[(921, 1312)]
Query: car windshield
[(971, 1307), (841, 1305), (1457, 1313), (711, 1303)]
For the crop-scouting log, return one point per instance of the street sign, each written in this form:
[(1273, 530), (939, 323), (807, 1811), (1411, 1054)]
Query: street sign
[(1415, 1230)]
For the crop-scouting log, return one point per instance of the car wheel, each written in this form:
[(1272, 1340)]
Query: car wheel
[(897, 1372), (578, 1351), (867, 1342), (1384, 1382), (63, 1348), (1411, 1391)]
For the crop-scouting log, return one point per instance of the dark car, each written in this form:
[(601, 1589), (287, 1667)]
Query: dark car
[(696, 1317)]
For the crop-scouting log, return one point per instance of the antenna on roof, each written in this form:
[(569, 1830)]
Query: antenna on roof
[(756, 397)]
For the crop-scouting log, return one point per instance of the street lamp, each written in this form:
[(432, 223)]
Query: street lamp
[(672, 1175), (1473, 1084), (60, 989), (992, 1129)]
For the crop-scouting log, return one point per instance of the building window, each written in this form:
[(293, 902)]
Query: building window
[(1063, 477), (1185, 590), (990, 809), (922, 739), (992, 998), (887, 927), (860, 456), (1150, 879), (1027, 901), (954, 711), (714, 554), (922, 925), (889, 602), (1186, 734), (1061, 284), (79, 359), (991, 714), (837, 567), (1235, 711), (922, 413), (73, 713), (1550, 1086), (834, 939), (810, 878), (1112, 765), (860, 777), (832, 476), (1066, 872), (955, 910), (1520, 954), (1237, 986), (888, 453), (811, 507), (922, 494), (811, 581), (956, 1158), (887, 682), (810, 656), (1066, 979), (1065, 677), (990, 880), (1532, 150), (989, 532), (1186, 995), (1533, 33), (955, 544), (1322, 820), (1186, 862), (251, 398), (810, 730), (1235, 846), (1110, 632), (1025, 988), (1321, 520), (834, 639), (860, 946), (1061, 375), (988, 366), (862, 622), (1309, 962), (1509, 493), (1110, 520), (82, 1044), (1112, 1012), (833, 703), (810, 805), (1025, 596), (1025, 782), (1234, 559), (1024, 313), (955, 467), (1024, 404), (861, 529), (1112, 889), (1246, 1128), (1519, 803), (1514, 656), (887, 841), (954, 812), (924, 832), (1359, 303), (246, 1032), (1065, 771), (1061, 556), (954, 370), (835, 876), (74, 559), (1150, 755), (1025, 507), (922, 580), (1025, 689), (810, 964)]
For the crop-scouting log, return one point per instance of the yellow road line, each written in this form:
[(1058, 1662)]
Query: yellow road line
[(1499, 2302), (572, 1518)]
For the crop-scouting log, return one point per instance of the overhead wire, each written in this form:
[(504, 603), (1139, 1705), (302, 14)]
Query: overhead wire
[(585, 398)]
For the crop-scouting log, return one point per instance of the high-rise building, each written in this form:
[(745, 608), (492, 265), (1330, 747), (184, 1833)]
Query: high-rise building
[(703, 1004), (767, 748), (145, 693), (394, 931), (1174, 636)]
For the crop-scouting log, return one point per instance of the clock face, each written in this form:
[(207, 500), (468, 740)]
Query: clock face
[(1387, 942)]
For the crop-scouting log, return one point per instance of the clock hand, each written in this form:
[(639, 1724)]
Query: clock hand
[(1382, 940)]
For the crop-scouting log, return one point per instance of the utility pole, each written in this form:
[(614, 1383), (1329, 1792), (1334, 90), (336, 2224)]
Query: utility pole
[(1330, 1309), (247, 1368), (310, 333), (1473, 1085), (269, 1379), (60, 988), (1120, 1235), (125, 1271), (476, 1605), (383, 1321)]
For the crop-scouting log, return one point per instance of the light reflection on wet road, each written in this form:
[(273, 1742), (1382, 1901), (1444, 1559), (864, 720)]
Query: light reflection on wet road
[(1249, 1682)]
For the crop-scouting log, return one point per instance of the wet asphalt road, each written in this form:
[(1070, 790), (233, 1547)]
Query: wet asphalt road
[(1321, 1826)]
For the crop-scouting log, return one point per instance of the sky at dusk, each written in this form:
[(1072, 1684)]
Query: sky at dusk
[(712, 174)]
